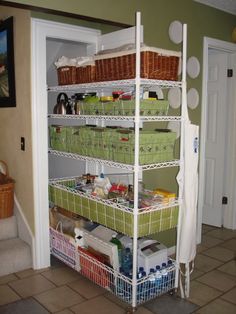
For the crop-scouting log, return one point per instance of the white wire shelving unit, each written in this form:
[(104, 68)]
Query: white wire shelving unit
[(131, 290)]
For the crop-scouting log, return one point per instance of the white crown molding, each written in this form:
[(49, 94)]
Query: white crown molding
[(228, 6)]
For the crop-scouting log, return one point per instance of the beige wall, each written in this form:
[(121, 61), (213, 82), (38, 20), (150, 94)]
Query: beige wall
[(16, 122)]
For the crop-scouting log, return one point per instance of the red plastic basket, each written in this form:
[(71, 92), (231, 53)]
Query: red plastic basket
[(92, 268)]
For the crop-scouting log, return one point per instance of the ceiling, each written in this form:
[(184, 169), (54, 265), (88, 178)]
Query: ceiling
[(224, 5)]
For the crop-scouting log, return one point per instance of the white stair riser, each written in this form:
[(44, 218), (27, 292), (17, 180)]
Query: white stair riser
[(8, 228), (15, 255)]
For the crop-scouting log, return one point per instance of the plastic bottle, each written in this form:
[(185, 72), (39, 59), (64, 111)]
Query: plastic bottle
[(152, 283), (119, 285), (127, 261), (143, 289), (127, 288), (140, 271), (117, 242), (139, 287), (158, 279), (170, 274), (164, 274)]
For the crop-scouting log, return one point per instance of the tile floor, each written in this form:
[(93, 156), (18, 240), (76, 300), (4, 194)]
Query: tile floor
[(61, 290)]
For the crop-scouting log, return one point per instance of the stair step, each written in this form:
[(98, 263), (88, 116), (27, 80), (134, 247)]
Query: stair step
[(15, 255), (8, 228)]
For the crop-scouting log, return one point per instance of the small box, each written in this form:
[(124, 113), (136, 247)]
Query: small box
[(166, 195), (92, 240), (150, 254)]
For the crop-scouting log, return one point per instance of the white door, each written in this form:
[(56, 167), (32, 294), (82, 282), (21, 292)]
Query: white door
[(215, 139), (229, 212)]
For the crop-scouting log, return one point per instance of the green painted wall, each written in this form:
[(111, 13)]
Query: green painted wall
[(156, 18)]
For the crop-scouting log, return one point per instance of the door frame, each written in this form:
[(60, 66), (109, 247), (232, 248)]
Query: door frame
[(40, 31), (229, 215)]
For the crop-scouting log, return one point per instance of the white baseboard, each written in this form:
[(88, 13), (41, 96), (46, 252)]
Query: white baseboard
[(24, 230)]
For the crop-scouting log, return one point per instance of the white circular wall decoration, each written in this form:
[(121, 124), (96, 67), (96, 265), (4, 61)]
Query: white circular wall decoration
[(192, 98), (174, 126), (193, 67), (176, 32), (174, 97)]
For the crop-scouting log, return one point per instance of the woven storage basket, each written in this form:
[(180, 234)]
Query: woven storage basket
[(85, 74), (156, 64), (6, 193), (66, 75)]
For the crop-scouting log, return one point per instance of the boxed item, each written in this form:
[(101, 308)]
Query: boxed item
[(94, 242), (151, 253), (164, 195)]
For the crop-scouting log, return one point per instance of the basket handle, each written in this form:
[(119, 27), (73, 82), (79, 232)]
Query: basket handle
[(59, 227), (6, 168)]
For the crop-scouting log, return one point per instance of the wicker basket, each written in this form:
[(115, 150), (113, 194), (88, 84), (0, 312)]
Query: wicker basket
[(85, 74), (156, 64), (66, 75), (6, 193)]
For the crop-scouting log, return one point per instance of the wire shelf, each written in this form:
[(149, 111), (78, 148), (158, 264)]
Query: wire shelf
[(59, 183), (114, 118), (166, 164), (119, 284), (118, 84)]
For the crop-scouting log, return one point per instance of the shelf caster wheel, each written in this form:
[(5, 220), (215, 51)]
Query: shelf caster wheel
[(131, 310), (172, 292)]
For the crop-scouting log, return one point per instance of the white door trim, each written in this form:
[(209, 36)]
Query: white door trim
[(40, 31), (229, 220)]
